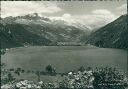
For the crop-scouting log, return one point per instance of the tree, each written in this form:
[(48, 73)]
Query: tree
[(18, 71), (38, 75), (10, 77), (81, 69), (50, 69), (99, 43), (2, 51)]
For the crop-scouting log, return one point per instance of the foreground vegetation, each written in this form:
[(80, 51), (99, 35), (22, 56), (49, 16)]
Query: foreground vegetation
[(97, 78)]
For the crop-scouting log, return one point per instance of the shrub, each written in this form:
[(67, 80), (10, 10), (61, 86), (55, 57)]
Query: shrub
[(109, 78)]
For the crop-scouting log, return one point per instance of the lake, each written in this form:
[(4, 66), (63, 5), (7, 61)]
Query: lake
[(64, 58)]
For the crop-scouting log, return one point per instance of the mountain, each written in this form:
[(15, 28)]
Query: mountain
[(35, 30), (113, 35)]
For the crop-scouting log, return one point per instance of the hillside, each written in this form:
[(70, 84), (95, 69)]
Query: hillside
[(113, 35)]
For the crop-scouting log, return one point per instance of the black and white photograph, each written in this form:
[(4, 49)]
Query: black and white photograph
[(75, 44)]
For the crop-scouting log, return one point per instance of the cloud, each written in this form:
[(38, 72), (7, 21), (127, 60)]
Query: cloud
[(97, 18), (101, 12), (15, 8), (66, 17), (100, 17), (103, 15), (122, 9)]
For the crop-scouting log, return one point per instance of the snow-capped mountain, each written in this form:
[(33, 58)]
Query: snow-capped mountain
[(35, 30)]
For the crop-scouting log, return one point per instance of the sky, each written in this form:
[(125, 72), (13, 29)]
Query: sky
[(93, 14)]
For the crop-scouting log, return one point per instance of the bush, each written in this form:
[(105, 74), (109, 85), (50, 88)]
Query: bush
[(109, 78)]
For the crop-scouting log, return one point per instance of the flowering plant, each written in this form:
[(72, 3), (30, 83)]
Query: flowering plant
[(79, 80)]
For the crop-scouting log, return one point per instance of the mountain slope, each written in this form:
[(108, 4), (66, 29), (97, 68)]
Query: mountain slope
[(15, 35), (113, 35)]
